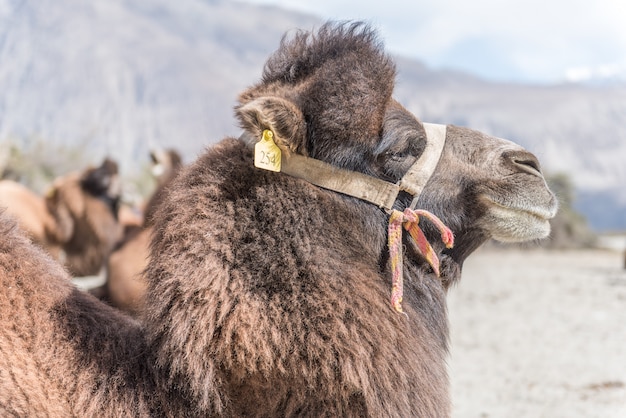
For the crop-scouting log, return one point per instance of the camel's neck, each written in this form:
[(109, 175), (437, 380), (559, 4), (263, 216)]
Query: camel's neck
[(466, 242)]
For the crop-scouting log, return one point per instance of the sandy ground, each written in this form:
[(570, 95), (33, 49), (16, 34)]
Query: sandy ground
[(539, 334)]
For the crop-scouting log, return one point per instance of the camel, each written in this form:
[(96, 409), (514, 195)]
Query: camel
[(284, 289), (31, 210), (124, 286), (165, 166), (77, 219)]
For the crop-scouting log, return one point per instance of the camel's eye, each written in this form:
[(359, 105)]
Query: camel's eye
[(394, 163), (393, 157), (401, 152), (397, 155)]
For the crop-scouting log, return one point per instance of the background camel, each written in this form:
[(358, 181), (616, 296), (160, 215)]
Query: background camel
[(31, 211), (125, 287), (77, 219), (269, 296), (165, 166)]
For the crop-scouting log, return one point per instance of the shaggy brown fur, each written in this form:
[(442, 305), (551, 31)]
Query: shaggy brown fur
[(269, 296), (63, 353), (77, 219)]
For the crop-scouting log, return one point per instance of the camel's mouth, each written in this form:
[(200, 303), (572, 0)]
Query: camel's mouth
[(542, 213), (515, 223)]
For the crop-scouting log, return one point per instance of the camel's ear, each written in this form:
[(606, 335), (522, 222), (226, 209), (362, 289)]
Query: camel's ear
[(62, 229), (280, 116)]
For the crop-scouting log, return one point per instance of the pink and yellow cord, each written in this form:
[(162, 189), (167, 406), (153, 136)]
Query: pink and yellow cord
[(410, 220)]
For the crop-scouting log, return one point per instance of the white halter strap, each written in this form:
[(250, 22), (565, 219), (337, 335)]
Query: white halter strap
[(414, 180)]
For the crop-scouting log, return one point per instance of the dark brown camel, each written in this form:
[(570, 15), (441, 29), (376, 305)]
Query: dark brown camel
[(77, 219), (270, 296)]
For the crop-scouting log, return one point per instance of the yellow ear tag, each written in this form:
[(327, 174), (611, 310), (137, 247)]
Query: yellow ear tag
[(266, 153)]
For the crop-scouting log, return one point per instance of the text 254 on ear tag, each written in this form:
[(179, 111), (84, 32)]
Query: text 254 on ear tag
[(266, 153)]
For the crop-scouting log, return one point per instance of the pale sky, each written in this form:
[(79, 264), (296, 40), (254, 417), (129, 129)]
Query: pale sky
[(508, 40)]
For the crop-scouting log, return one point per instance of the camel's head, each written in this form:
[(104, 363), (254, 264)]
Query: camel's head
[(498, 184), (165, 164), (328, 96), (103, 182), (68, 199)]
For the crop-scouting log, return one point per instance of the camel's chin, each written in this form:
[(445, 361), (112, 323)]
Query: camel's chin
[(514, 225)]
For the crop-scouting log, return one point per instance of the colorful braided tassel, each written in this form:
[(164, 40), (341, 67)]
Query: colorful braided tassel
[(410, 220)]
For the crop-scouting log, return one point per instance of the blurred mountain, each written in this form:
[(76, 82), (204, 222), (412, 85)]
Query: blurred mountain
[(125, 75), (117, 77)]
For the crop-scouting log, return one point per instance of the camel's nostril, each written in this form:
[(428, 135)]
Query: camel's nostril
[(527, 164), (523, 161)]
